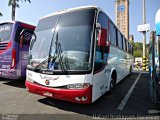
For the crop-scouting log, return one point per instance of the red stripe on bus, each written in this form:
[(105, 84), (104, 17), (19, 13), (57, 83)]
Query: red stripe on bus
[(27, 26)]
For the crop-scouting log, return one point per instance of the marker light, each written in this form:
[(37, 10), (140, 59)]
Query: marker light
[(13, 58)]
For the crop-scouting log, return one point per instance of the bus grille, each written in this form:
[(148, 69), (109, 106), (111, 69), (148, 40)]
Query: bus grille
[(3, 47)]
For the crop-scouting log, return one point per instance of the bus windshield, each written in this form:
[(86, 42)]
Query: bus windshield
[(5, 31), (67, 38)]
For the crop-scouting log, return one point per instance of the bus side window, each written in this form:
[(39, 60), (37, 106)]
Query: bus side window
[(116, 37), (132, 50), (129, 47), (112, 34), (124, 44), (119, 40), (27, 35), (127, 50)]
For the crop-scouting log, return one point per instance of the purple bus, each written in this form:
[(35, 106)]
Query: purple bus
[(14, 48)]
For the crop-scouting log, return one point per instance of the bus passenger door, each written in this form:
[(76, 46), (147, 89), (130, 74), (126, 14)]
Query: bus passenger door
[(100, 77), (25, 39)]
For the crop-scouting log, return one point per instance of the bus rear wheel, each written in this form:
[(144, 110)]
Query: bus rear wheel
[(112, 83), (130, 70)]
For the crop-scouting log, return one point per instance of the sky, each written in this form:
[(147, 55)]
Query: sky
[(31, 13)]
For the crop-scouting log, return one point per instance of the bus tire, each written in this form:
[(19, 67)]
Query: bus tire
[(130, 70), (112, 82)]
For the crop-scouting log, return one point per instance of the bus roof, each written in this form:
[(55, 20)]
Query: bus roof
[(14, 22), (69, 10), (7, 22)]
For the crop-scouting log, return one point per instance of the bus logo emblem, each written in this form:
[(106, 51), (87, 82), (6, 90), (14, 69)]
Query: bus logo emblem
[(47, 82)]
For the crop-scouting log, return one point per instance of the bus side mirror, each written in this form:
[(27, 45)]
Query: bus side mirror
[(102, 37)]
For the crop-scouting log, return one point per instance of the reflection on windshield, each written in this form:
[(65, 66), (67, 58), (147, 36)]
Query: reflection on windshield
[(74, 40), (42, 45)]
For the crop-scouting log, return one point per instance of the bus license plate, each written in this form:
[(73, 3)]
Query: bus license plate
[(47, 94)]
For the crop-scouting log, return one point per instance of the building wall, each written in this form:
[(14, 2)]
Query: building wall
[(131, 38), (122, 16)]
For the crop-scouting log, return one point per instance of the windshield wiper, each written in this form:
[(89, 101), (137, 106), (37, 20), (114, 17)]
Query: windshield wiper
[(51, 59), (46, 60), (59, 52)]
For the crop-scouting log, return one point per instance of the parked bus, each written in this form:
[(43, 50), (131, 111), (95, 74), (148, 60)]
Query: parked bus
[(77, 55), (154, 60), (14, 49), (154, 68)]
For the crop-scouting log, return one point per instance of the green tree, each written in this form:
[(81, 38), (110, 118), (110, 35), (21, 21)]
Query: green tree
[(137, 54), (15, 4), (138, 49)]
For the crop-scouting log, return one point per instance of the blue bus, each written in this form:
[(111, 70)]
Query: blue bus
[(154, 57)]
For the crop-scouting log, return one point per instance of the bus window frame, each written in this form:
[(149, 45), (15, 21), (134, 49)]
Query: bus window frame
[(17, 37)]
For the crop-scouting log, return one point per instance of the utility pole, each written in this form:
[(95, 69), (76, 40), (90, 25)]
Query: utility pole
[(144, 36)]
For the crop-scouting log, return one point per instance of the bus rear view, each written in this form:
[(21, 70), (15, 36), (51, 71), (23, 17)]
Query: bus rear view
[(14, 49)]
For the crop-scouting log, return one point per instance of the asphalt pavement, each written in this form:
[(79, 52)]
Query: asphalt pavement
[(131, 95)]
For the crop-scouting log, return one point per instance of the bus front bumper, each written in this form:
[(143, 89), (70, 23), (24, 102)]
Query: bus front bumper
[(83, 96)]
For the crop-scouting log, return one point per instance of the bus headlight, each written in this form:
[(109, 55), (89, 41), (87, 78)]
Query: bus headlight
[(30, 79), (78, 86)]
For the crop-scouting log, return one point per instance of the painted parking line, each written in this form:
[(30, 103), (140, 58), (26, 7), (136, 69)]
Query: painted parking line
[(153, 111), (124, 101)]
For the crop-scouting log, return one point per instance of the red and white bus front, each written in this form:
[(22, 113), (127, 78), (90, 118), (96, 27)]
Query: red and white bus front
[(61, 56)]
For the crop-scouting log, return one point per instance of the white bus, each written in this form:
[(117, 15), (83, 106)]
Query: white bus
[(77, 55)]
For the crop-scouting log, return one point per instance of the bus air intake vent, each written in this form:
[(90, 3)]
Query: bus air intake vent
[(3, 47)]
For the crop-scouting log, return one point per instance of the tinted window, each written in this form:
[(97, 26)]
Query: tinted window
[(127, 46), (77, 18), (27, 35), (5, 32), (113, 34), (124, 44), (103, 20), (132, 50), (47, 23), (119, 40), (100, 52)]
